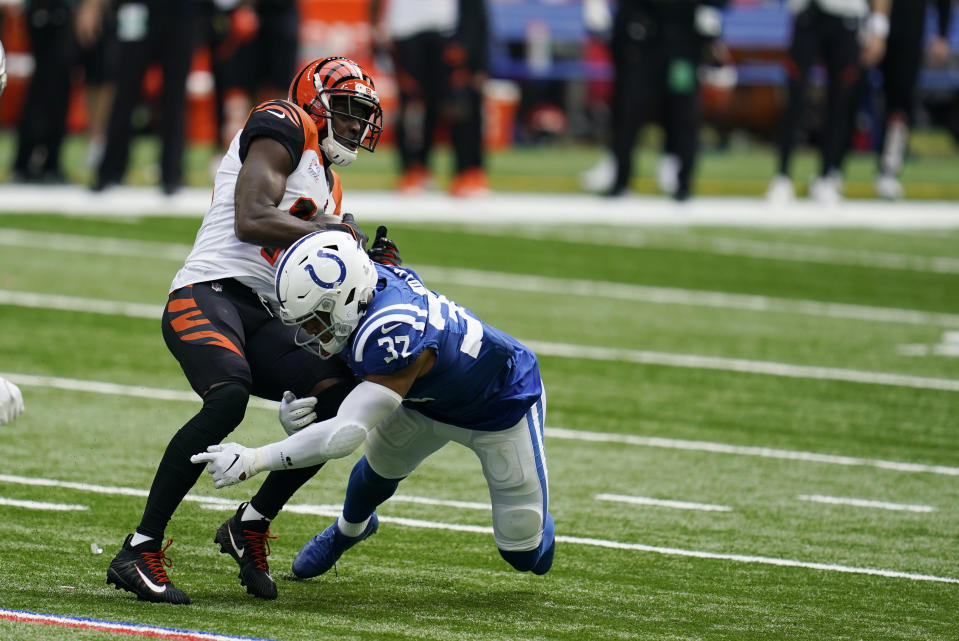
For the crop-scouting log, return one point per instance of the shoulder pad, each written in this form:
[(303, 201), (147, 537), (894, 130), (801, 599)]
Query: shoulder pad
[(390, 339), (284, 122)]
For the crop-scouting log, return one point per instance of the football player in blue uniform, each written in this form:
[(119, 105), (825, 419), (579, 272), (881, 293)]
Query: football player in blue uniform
[(432, 372)]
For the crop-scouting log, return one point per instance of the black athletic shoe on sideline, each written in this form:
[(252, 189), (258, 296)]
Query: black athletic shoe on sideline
[(142, 571), (248, 542)]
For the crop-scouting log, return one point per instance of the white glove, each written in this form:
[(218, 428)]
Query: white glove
[(11, 401), (296, 413), (228, 463)]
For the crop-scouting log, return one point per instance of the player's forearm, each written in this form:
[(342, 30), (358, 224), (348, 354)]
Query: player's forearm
[(265, 225), (368, 405)]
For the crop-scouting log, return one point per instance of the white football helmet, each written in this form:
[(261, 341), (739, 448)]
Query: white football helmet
[(324, 284), (339, 86)]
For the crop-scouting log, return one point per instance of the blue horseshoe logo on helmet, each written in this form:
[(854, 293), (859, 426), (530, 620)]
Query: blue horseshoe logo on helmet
[(322, 283)]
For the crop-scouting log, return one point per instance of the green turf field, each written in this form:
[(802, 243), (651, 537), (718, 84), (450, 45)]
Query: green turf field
[(751, 435), (744, 168)]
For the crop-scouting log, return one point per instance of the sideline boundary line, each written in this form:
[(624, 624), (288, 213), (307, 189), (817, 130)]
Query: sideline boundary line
[(118, 627), (329, 510), (505, 208)]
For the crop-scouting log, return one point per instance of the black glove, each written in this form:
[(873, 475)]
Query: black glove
[(348, 224), (383, 250)]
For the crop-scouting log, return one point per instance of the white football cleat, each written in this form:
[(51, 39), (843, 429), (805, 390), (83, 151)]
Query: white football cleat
[(889, 187), (667, 174), (827, 189), (780, 190), (599, 177)]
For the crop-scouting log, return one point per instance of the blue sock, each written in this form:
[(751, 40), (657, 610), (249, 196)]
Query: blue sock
[(365, 491)]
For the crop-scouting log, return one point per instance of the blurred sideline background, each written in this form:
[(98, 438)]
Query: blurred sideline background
[(545, 110)]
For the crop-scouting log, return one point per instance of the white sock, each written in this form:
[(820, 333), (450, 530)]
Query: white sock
[(351, 529), (139, 538), (251, 514)]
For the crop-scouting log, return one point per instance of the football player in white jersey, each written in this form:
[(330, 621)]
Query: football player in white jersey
[(432, 373), (275, 185)]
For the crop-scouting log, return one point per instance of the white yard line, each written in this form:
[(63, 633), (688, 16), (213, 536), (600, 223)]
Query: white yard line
[(126, 629), (742, 365), (97, 245), (724, 246), (561, 350), (77, 304), (485, 279), (795, 252), (743, 450), (741, 558), (42, 505), (334, 511), (508, 208), (98, 387), (879, 505), (422, 500), (678, 505), (676, 296)]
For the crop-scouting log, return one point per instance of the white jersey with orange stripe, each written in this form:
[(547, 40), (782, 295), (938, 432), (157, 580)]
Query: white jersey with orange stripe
[(217, 252)]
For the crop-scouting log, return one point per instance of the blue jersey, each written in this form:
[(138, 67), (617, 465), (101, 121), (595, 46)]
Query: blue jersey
[(483, 379)]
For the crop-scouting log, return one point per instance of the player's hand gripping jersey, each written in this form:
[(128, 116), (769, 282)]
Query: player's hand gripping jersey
[(483, 379), (310, 190)]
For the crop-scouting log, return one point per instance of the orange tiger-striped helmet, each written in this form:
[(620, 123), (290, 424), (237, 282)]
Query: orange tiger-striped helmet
[(339, 89)]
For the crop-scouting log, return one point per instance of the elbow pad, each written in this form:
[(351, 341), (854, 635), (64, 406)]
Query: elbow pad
[(368, 405)]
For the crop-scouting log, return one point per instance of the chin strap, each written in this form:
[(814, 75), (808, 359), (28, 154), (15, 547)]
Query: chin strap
[(337, 153)]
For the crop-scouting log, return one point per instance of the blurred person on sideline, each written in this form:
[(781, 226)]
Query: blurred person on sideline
[(96, 33), (64, 35), (148, 31), (847, 38), (599, 178), (3, 69), (900, 71), (11, 399), (259, 52), (432, 372), (657, 48), (439, 52), (275, 184)]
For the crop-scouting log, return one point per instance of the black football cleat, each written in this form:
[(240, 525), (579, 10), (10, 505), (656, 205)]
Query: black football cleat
[(142, 571), (248, 542)]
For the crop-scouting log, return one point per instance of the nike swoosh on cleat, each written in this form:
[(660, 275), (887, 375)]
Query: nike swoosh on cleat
[(150, 584), (278, 114), (239, 551)]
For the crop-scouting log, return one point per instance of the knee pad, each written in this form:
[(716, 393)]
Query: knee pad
[(224, 407), (516, 526), (538, 560)]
